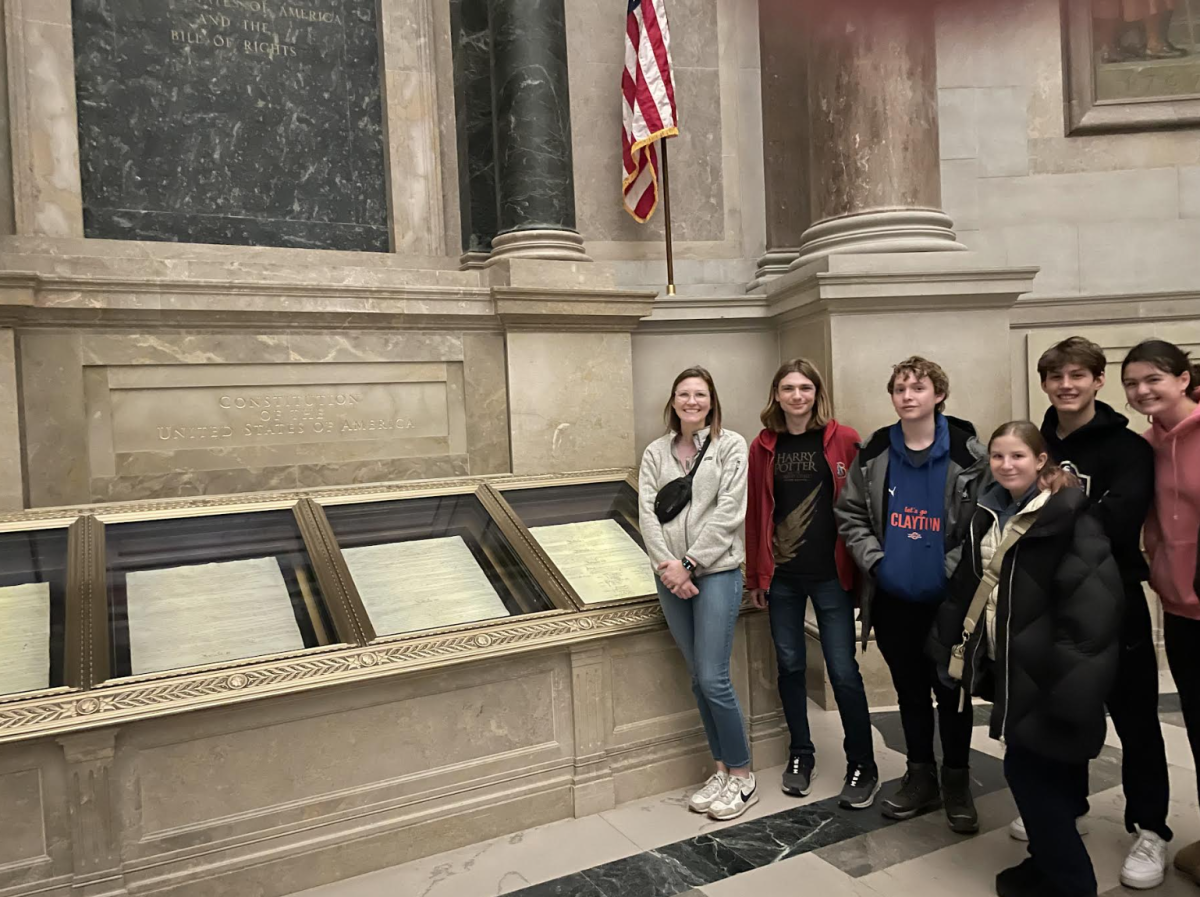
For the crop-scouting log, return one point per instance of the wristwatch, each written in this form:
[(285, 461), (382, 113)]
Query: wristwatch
[(688, 565)]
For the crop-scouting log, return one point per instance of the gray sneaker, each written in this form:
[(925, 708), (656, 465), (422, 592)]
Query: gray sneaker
[(798, 775), (862, 784)]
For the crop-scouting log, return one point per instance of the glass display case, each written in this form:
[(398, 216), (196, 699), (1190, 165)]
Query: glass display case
[(432, 562), (124, 611), (33, 609), (589, 531), (213, 589)]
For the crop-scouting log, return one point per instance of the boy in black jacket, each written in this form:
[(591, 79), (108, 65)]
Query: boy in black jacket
[(1116, 469)]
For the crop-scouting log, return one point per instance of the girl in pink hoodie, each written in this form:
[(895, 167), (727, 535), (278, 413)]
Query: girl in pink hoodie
[(1163, 383)]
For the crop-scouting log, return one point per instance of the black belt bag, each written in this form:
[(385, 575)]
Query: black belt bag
[(677, 494)]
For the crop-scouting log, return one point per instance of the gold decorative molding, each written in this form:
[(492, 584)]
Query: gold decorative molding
[(39, 518), (125, 701)]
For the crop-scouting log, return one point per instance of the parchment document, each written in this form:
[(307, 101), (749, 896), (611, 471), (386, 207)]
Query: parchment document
[(598, 558), (208, 613), (24, 637), (406, 586)]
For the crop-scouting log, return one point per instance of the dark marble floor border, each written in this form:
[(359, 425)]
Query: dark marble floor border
[(678, 868)]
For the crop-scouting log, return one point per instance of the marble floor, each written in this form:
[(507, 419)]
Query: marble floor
[(782, 846)]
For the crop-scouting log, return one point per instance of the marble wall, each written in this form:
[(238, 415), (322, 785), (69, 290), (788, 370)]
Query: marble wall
[(742, 363), (1102, 215), (716, 163), (275, 796), (143, 413), (573, 409)]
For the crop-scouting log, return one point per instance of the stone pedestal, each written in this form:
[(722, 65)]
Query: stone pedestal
[(873, 148), (569, 357), (857, 315), (94, 833), (594, 789), (877, 679), (535, 185)]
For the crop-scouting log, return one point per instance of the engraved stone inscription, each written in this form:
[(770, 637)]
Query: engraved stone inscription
[(176, 418), (247, 122)]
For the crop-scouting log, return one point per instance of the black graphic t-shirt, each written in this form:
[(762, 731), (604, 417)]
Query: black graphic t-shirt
[(805, 531)]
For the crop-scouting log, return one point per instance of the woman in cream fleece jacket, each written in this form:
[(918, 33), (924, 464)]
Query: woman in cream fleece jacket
[(697, 558)]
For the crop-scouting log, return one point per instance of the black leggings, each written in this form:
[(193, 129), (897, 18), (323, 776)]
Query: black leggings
[(1182, 638)]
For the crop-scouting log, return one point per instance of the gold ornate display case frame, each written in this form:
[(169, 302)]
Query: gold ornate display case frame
[(352, 652), (373, 745)]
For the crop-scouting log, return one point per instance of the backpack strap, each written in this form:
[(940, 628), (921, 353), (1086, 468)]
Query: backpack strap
[(989, 580)]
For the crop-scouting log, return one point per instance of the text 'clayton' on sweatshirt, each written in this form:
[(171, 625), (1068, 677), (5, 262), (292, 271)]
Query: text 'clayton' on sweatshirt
[(914, 547)]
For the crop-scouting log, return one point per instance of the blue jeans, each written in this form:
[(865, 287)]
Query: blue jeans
[(703, 629), (786, 603)]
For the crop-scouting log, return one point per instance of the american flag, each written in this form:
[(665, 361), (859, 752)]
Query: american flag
[(649, 108)]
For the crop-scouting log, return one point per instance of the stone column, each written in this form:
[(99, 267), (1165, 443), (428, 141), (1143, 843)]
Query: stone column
[(873, 155), (535, 184), (783, 51), (475, 129)]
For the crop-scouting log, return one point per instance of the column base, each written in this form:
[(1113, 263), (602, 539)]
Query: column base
[(473, 260), (559, 245), (891, 230), (774, 263)]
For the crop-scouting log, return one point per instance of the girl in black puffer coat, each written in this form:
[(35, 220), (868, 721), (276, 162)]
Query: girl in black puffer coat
[(1044, 649)]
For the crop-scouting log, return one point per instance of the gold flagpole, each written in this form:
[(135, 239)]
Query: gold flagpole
[(666, 185)]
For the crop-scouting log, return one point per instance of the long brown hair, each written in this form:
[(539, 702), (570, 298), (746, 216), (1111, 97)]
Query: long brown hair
[(1051, 476), (772, 416), (713, 420)]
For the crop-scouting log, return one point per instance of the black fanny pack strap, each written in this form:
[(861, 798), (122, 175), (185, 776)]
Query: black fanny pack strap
[(691, 474)]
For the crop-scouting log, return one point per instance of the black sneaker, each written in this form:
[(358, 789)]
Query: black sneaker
[(956, 796), (798, 775), (918, 792), (862, 784)]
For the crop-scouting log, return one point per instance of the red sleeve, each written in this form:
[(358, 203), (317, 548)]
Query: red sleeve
[(754, 507)]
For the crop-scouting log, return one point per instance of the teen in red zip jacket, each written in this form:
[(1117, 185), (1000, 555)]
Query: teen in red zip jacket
[(798, 465)]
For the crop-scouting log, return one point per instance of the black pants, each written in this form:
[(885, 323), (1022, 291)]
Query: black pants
[(1182, 637), (1133, 706), (1050, 796), (902, 632)]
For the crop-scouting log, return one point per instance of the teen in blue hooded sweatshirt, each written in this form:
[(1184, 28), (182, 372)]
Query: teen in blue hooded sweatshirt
[(903, 514)]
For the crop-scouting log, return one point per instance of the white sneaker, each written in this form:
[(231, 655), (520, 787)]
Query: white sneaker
[(738, 796), (1016, 828), (1146, 864), (709, 792)]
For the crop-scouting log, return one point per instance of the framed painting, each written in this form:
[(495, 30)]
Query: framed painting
[(1131, 65)]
